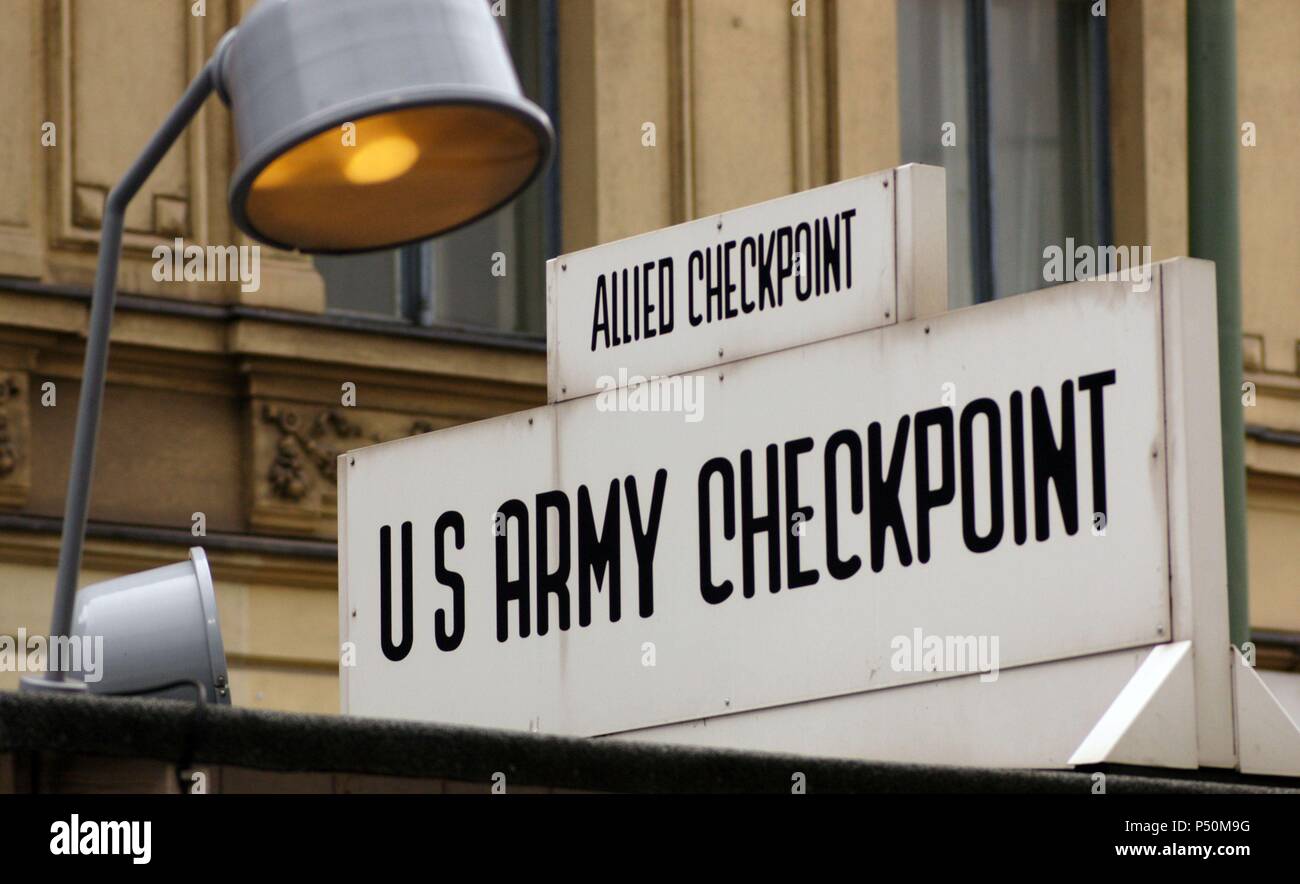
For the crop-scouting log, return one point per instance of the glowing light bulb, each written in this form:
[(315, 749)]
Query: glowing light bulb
[(383, 159), (279, 173)]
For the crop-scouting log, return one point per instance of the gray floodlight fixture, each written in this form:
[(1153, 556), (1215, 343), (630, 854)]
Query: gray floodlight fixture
[(361, 125), (159, 632)]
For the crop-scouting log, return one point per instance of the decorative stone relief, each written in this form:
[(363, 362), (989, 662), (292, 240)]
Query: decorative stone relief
[(295, 459), (14, 441)]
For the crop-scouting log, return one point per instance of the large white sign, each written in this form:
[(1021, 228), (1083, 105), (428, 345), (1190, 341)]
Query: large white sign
[(794, 270), (777, 534)]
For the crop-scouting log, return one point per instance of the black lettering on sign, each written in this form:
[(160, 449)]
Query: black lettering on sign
[(600, 319), (927, 497), (842, 569), (752, 525), (803, 278), (886, 510), (449, 639), (993, 427), (725, 280), (1095, 385), (796, 516), (626, 303), (1018, 507), (714, 282), (766, 281), (831, 253), (645, 536), (552, 583), (512, 591), (715, 593), (666, 296), (784, 261), (1053, 464), (395, 651), (939, 453), (748, 247), (729, 286), (696, 260), (848, 246), (629, 310), (598, 554)]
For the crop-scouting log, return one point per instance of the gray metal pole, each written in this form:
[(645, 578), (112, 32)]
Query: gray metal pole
[(96, 364), (1212, 148)]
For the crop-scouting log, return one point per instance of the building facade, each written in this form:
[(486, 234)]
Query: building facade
[(229, 399)]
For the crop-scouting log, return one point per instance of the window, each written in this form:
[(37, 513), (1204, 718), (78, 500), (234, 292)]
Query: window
[(491, 274), (1018, 87)]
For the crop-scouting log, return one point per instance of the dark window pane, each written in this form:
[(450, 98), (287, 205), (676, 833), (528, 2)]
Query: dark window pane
[(516, 240), (1043, 152), (934, 124), (360, 283), (1022, 83), (490, 274)]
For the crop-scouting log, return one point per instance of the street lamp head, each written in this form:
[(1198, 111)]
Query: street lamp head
[(364, 126)]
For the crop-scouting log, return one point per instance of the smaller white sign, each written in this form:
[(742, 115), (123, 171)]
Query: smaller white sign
[(767, 277)]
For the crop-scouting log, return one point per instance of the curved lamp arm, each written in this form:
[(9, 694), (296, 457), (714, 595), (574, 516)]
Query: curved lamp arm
[(97, 340)]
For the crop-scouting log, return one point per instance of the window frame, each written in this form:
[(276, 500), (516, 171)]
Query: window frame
[(417, 288)]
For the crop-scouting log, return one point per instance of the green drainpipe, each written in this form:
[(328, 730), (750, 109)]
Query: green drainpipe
[(1212, 145)]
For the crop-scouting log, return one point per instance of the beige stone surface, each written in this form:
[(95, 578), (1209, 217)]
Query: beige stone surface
[(1268, 95), (1274, 523), (287, 688), (747, 102), (21, 197), (1148, 137)]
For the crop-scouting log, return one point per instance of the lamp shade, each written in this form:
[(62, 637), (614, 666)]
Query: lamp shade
[(367, 125), (159, 632)]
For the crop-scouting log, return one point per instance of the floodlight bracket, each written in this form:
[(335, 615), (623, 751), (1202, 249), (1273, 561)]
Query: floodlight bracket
[(94, 369)]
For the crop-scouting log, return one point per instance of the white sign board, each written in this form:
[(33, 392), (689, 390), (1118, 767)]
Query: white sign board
[(794, 270), (597, 565)]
